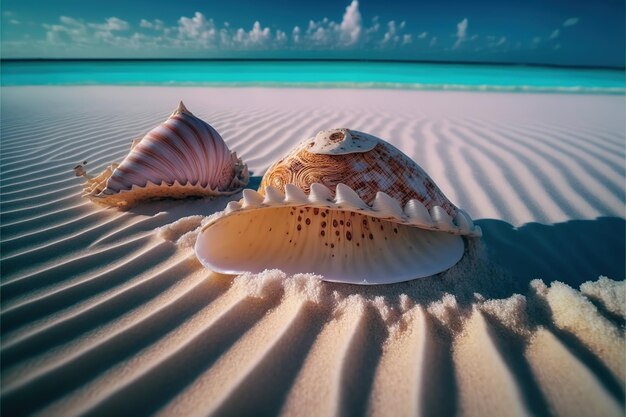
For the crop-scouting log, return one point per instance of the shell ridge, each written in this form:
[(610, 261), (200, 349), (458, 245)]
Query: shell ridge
[(175, 125), (212, 148), (206, 171), (166, 141)]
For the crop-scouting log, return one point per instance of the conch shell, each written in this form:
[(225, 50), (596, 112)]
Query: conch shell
[(182, 157), (345, 205)]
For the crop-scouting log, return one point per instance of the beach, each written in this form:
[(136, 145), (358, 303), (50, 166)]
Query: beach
[(108, 312)]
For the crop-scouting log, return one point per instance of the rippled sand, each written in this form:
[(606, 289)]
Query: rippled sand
[(103, 315)]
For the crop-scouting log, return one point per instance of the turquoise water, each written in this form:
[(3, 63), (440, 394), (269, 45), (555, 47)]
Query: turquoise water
[(426, 76)]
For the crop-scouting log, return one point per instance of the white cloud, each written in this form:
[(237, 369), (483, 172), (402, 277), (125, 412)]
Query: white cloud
[(351, 24), (14, 22), (156, 24), (197, 32), (70, 21), (281, 37), (390, 35), (111, 24), (71, 30), (433, 42), (570, 22), (501, 41), (555, 34), (196, 28), (295, 34), (348, 33), (461, 33), (258, 35), (557, 46), (373, 29)]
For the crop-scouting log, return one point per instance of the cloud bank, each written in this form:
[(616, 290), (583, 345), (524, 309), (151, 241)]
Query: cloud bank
[(199, 35)]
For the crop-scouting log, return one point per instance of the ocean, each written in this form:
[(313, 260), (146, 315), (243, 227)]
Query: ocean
[(315, 74)]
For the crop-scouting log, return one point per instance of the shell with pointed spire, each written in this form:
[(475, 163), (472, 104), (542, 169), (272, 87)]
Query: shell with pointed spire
[(182, 157), (345, 205)]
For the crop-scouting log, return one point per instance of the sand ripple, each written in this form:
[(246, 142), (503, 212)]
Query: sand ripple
[(103, 316)]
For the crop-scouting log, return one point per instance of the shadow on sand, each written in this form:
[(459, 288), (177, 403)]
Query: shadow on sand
[(572, 252)]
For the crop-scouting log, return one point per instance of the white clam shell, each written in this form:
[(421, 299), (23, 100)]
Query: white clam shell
[(373, 217), (184, 156), (263, 234)]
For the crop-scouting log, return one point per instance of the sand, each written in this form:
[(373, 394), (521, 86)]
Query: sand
[(108, 312)]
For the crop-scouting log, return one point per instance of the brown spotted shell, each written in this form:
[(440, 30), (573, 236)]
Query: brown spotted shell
[(344, 205), (361, 161)]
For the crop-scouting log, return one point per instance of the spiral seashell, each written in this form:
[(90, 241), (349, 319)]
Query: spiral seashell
[(345, 205), (182, 157)]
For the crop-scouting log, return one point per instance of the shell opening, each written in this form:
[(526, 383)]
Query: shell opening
[(343, 246)]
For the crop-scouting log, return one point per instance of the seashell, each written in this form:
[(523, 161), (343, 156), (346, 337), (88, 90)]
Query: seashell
[(182, 157), (345, 205)]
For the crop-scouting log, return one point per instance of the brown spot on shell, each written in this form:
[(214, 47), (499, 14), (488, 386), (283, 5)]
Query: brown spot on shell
[(307, 221), (337, 137)]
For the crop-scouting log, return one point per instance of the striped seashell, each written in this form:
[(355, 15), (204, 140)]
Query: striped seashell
[(345, 205), (182, 157)]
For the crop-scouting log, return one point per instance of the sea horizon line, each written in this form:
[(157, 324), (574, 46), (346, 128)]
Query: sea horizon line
[(371, 60)]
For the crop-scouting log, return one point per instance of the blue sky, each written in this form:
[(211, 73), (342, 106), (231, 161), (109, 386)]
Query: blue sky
[(520, 31)]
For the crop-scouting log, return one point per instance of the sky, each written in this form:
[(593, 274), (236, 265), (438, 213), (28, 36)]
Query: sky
[(561, 32)]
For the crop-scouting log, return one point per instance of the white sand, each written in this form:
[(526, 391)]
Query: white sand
[(101, 315)]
